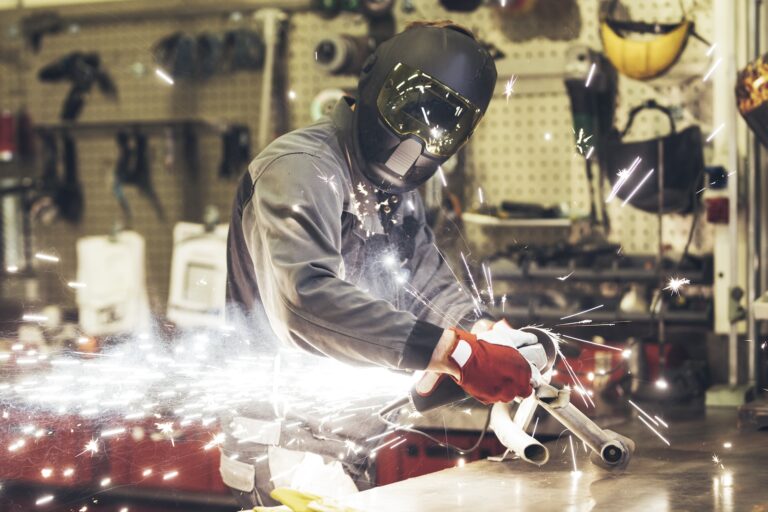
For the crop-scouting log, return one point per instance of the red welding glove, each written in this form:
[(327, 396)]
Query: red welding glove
[(490, 372)]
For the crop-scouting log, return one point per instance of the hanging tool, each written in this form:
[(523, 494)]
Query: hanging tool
[(69, 194), (132, 168), (84, 71), (591, 83)]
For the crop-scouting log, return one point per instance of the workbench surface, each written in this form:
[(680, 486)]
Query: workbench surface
[(682, 477)]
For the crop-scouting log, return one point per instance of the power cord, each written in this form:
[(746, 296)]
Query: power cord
[(387, 410)]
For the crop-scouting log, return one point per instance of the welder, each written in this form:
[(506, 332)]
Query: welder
[(328, 240)]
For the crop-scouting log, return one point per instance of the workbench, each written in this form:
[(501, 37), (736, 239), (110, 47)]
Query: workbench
[(681, 477)]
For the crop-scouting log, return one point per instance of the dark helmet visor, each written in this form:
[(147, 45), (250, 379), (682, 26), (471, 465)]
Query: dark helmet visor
[(413, 103)]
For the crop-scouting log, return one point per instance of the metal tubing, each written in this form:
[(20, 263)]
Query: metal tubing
[(512, 436), (725, 112), (610, 451)]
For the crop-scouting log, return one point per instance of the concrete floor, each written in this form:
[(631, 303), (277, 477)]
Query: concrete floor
[(682, 477)]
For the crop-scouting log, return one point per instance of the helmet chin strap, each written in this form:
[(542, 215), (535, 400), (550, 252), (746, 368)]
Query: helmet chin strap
[(403, 158)]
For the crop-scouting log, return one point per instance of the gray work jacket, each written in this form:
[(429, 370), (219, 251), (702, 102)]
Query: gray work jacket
[(335, 266)]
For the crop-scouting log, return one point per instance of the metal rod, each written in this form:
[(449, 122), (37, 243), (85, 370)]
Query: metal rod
[(753, 224), (662, 335)]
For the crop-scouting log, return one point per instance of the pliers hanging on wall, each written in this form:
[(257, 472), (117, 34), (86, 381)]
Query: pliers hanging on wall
[(132, 168)]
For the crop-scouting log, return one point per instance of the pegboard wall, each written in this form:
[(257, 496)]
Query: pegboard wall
[(523, 149)]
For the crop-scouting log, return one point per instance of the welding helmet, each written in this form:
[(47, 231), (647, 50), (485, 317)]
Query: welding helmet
[(647, 58), (420, 97)]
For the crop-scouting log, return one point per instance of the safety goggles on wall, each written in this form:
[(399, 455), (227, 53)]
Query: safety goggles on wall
[(645, 59), (413, 103)]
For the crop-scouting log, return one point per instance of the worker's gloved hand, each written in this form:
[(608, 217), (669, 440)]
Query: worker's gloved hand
[(493, 371), (501, 333)]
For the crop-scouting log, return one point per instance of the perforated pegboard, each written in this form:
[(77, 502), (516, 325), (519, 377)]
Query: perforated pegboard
[(522, 151)]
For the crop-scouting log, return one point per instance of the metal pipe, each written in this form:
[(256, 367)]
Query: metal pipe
[(511, 435), (724, 110), (610, 450), (755, 269)]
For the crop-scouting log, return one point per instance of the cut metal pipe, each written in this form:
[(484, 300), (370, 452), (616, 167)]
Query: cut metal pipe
[(512, 436), (610, 450)]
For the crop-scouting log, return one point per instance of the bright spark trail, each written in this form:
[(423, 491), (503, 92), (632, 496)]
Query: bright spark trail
[(591, 342), (654, 430), (715, 132), (712, 69), (582, 312), (509, 87), (573, 455), (634, 191), (591, 74), (624, 175)]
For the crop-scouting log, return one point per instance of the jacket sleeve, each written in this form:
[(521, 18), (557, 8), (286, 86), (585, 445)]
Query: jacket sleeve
[(437, 293), (292, 227)]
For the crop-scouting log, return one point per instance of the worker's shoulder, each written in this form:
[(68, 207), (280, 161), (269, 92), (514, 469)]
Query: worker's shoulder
[(304, 151)]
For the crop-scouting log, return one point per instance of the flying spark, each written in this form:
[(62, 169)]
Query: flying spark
[(714, 133), (623, 175), (165, 77), (91, 446), (582, 312), (676, 283), (442, 176), (591, 74), (712, 69), (47, 257), (44, 500), (654, 430), (573, 455), (563, 278), (480, 194), (631, 195), (509, 87)]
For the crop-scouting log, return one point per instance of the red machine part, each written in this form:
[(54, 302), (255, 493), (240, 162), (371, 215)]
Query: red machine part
[(145, 458), (49, 449), (419, 456)]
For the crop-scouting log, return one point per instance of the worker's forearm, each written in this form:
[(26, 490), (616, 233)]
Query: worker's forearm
[(440, 362)]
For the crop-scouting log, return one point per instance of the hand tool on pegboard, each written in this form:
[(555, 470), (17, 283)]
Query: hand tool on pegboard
[(83, 71), (132, 168)]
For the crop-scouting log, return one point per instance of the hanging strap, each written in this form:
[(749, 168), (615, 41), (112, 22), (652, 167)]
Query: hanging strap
[(649, 105)]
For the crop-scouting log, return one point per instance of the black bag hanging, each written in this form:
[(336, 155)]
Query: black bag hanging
[(683, 165)]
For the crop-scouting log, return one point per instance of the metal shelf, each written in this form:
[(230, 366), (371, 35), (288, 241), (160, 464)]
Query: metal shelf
[(490, 220), (137, 124), (549, 315), (592, 275)]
